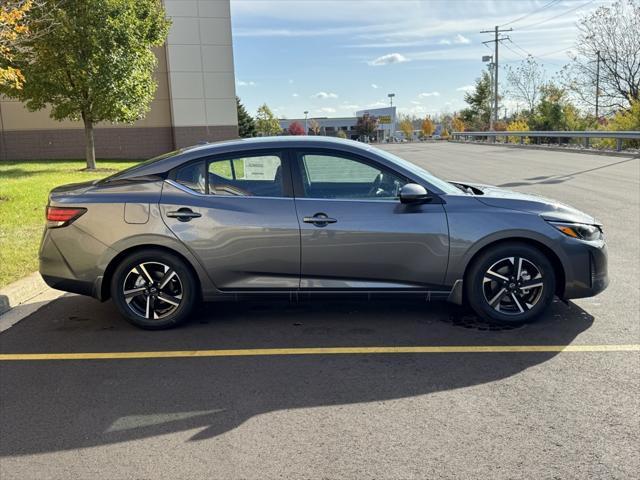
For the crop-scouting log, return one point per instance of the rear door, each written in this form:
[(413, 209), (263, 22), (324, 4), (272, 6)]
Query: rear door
[(236, 213), (355, 233)]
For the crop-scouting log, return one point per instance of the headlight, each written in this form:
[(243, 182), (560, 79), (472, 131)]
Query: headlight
[(582, 231)]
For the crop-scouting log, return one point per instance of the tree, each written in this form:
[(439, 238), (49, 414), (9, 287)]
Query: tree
[(266, 122), (550, 112), (94, 64), (457, 124), (406, 127), (625, 120), (246, 123), (478, 114), (341, 134), (14, 30), (612, 34), (366, 125), (427, 127), (296, 128), (314, 126), (524, 82)]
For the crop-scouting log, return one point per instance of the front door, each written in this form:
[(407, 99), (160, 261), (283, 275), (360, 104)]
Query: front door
[(237, 215), (355, 233)]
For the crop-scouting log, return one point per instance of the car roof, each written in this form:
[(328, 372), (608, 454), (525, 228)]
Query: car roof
[(279, 142)]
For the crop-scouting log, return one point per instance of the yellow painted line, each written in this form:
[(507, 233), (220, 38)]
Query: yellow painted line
[(252, 352)]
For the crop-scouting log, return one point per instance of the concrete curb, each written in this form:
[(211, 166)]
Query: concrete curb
[(20, 299)]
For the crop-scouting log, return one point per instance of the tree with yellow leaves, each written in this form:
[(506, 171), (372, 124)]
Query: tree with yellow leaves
[(13, 29), (457, 124), (406, 127), (427, 127)]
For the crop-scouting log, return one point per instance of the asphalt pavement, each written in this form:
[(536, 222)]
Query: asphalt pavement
[(481, 413)]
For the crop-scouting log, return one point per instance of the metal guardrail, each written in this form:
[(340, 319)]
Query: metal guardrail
[(560, 135)]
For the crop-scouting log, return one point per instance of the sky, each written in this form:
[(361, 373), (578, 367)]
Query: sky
[(335, 57)]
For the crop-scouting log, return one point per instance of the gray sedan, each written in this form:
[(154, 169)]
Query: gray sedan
[(302, 216)]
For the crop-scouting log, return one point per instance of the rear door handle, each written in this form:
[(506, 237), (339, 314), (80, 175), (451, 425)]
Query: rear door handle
[(319, 220), (183, 214)]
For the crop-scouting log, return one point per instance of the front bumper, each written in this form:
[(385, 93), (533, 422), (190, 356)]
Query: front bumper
[(589, 275)]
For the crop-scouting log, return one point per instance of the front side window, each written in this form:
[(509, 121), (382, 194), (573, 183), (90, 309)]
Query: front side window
[(330, 176), (249, 176)]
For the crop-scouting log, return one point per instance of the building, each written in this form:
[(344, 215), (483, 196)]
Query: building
[(195, 100), (330, 126)]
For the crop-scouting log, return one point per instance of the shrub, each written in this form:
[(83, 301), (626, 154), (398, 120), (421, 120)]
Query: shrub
[(517, 125)]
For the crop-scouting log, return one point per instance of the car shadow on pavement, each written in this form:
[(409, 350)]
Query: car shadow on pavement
[(51, 406)]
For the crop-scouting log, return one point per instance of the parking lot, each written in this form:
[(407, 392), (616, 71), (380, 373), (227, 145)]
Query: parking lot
[(475, 409)]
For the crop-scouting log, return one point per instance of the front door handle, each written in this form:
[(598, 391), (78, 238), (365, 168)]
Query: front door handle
[(319, 220), (183, 214)]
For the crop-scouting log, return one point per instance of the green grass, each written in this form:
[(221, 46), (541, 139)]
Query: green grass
[(24, 187)]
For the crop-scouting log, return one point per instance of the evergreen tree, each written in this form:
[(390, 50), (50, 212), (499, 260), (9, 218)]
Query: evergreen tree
[(246, 123)]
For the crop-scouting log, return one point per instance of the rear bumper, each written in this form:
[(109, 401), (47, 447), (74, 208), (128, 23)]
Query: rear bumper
[(68, 262), (70, 285)]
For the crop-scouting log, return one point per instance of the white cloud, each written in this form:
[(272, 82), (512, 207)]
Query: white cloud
[(429, 94), (444, 41), (373, 85), (465, 88), (461, 40), (242, 83), (295, 95), (388, 59), (377, 104), (327, 110), (324, 95)]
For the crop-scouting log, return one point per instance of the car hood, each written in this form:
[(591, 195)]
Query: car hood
[(526, 202)]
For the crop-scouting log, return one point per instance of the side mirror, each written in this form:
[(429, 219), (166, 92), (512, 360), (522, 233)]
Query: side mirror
[(413, 193)]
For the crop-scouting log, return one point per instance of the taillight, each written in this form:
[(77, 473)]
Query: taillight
[(62, 216)]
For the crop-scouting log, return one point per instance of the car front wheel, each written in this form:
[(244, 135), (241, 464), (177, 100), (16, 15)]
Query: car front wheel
[(154, 289), (510, 283)]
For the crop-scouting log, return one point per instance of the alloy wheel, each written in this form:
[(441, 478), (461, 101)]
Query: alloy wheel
[(513, 285), (152, 290)]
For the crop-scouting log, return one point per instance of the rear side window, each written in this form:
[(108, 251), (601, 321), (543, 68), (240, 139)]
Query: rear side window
[(248, 176), (193, 177)]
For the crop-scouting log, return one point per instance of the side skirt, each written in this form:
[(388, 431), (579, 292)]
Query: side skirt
[(302, 295)]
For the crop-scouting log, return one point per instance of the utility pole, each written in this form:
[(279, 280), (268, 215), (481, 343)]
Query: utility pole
[(597, 82), (496, 31)]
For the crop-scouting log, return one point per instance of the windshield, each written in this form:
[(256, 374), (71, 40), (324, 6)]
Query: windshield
[(446, 187)]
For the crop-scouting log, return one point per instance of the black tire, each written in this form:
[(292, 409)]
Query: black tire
[(153, 301), (496, 269)]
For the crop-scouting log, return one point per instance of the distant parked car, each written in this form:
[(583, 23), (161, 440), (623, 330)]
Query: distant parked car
[(298, 216)]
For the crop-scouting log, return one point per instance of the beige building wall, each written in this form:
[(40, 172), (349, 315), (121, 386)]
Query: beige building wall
[(194, 101)]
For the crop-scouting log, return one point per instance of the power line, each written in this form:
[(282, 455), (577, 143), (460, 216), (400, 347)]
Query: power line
[(546, 5), (556, 16), (535, 56)]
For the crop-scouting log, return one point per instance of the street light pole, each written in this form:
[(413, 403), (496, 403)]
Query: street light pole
[(306, 130), (391, 95)]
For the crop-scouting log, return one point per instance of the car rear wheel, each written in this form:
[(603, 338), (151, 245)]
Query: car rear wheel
[(510, 283), (154, 289)]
